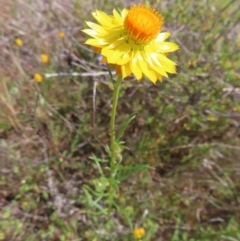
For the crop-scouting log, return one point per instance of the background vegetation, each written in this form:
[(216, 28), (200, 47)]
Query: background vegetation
[(186, 128)]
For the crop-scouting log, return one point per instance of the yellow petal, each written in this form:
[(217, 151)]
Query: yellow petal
[(159, 77), (117, 16), (116, 45), (113, 58), (163, 59), (167, 66), (146, 71), (124, 13), (90, 32), (126, 70), (103, 18), (162, 37), (95, 42), (106, 51), (166, 47), (136, 70), (157, 66), (125, 58), (96, 27)]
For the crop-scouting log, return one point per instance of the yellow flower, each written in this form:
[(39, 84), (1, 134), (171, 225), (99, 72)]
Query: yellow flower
[(131, 40), (61, 34), (44, 58), (139, 232), (38, 77), (18, 42)]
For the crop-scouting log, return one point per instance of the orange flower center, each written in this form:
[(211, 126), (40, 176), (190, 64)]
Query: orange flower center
[(143, 23)]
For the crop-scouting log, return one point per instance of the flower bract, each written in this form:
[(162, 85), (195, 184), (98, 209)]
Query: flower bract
[(132, 41)]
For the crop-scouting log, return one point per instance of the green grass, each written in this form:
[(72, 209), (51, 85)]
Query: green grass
[(186, 128)]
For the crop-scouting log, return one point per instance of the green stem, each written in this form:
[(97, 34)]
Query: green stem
[(112, 123), (112, 188)]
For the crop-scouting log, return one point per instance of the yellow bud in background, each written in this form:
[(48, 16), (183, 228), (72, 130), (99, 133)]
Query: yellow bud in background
[(44, 58), (61, 34), (139, 232), (38, 77), (18, 42)]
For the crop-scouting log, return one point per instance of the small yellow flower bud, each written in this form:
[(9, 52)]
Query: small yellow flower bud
[(139, 232), (44, 58), (38, 77), (61, 34), (18, 42)]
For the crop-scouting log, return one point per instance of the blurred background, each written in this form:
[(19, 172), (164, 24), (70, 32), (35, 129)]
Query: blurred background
[(186, 128)]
